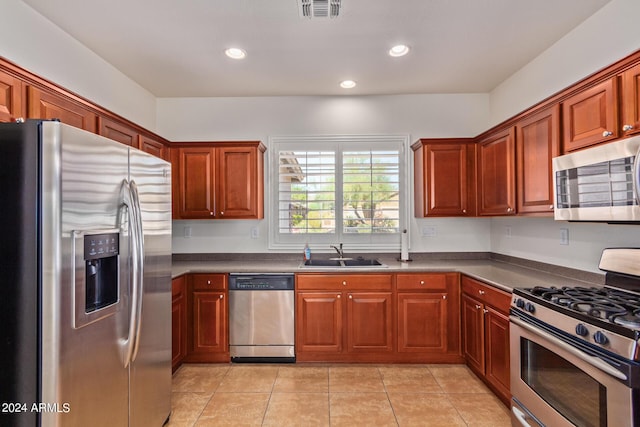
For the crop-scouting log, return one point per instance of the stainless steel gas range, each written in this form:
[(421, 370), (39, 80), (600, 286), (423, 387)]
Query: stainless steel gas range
[(575, 350)]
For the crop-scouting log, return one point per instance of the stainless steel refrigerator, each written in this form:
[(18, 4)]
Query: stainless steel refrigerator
[(85, 271)]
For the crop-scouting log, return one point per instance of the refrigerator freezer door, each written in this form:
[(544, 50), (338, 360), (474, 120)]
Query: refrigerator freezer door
[(83, 374), (150, 381)]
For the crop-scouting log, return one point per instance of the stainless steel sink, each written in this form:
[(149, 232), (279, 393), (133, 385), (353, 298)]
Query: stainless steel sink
[(342, 263)]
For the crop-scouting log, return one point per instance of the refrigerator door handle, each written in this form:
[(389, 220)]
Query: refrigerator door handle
[(140, 261), (129, 342)]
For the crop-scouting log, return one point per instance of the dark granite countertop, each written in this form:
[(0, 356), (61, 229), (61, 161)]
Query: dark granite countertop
[(500, 271)]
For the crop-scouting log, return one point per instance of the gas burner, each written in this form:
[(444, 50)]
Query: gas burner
[(598, 308), (629, 320)]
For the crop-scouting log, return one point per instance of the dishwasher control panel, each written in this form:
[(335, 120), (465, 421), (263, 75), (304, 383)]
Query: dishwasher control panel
[(261, 282)]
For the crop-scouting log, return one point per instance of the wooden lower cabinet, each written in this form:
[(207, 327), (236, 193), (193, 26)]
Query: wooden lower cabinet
[(362, 318), (485, 336), (344, 317), (207, 326), (429, 317), (178, 321)]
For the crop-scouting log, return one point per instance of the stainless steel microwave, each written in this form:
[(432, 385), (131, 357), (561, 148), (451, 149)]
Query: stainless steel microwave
[(599, 183)]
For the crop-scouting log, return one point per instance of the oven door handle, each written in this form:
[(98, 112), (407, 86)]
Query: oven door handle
[(594, 361)]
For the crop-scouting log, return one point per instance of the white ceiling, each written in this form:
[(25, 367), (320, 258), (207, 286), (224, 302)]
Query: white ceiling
[(174, 48)]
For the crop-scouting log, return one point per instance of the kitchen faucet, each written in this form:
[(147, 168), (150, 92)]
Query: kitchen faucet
[(339, 250)]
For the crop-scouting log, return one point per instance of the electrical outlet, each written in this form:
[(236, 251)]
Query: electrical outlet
[(187, 232), (254, 232), (507, 231), (429, 231), (564, 236)]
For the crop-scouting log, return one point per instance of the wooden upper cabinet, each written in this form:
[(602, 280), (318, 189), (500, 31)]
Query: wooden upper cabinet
[(591, 116), (218, 180), (194, 182), (444, 177), (10, 98), (630, 101), (240, 183), (118, 132), (154, 147), (496, 174), (48, 105), (537, 142)]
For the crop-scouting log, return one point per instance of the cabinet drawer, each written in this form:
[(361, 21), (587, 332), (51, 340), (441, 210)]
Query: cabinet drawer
[(343, 281), (424, 281), (487, 294), (209, 282)]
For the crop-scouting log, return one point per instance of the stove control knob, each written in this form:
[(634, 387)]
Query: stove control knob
[(529, 307), (582, 330), (600, 338), (520, 303)]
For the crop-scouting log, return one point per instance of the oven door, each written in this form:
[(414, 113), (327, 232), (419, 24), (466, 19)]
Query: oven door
[(556, 384)]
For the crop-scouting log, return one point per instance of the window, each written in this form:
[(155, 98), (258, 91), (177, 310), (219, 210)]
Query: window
[(338, 189)]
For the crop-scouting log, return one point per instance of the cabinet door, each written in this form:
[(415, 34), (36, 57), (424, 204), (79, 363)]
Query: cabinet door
[(473, 332), (446, 179), (153, 146), (178, 321), (239, 188), (118, 132), (496, 174), (369, 322), (195, 182), (10, 98), (422, 322), (209, 321), (631, 101), (319, 322), (591, 116), (47, 105), (537, 142), (497, 351)]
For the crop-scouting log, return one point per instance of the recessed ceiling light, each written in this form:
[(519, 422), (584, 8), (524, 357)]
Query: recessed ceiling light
[(347, 84), (235, 53), (399, 50)]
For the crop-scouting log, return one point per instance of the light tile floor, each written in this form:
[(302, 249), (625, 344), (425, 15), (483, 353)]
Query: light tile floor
[(332, 395)]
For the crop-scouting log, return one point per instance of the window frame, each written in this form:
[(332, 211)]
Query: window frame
[(361, 242)]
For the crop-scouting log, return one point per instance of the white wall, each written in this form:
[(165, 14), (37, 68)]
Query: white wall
[(606, 37), (194, 119), (34, 43)]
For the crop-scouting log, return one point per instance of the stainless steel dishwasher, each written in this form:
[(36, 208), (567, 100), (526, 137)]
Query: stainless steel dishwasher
[(261, 317)]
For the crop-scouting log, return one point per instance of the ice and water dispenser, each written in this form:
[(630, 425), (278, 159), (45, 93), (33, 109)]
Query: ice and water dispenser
[(101, 270)]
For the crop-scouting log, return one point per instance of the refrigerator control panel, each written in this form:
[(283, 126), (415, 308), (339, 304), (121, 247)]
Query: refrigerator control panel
[(98, 246)]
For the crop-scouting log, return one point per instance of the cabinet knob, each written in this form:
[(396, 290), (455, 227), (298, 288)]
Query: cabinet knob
[(208, 282), (485, 311), (422, 282), (551, 207), (344, 283), (221, 213), (350, 296), (481, 292), (509, 210), (339, 296), (627, 128), (211, 213), (444, 297), (464, 211), (607, 133), (221, 296), (478, 307)]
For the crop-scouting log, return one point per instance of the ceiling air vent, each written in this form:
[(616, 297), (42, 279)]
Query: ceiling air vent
[(319, 9)]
